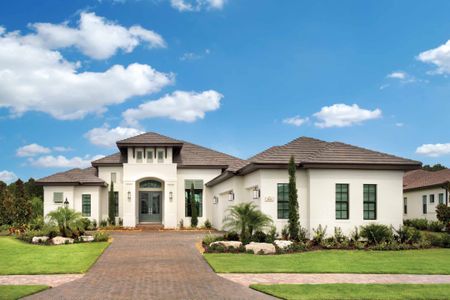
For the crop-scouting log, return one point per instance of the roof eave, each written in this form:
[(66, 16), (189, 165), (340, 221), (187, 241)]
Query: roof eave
[(443, 185), (362, 166), (221, 178)]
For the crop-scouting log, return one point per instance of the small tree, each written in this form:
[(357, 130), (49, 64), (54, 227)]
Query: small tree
[(23, 208), (294, 225), (443, 215), (3, 213), (194, 213), (111, 205), (69, 222)]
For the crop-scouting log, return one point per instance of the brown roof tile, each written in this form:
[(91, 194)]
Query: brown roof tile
[(419, 179), (149, 138), (112, 159), (86, 176)]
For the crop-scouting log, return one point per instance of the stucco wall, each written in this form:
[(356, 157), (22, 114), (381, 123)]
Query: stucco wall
[(105, 174), (414, 199), (49, 205)]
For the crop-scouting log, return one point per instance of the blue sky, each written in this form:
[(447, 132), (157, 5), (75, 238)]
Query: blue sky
[(236, 76)]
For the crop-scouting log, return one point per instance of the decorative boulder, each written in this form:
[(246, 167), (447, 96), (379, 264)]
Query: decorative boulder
[(226, 244), (282, 244), (59, 240), (258, 248), (87, 238), (39, 239)]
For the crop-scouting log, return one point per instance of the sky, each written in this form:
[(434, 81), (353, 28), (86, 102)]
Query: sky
[(235, 76)]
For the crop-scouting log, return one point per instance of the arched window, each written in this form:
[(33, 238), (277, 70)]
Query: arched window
[(152, 184)]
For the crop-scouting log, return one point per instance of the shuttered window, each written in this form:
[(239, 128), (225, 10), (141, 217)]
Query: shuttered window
[(58, 197)]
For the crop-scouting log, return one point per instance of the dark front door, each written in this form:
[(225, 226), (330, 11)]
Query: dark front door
[(150, 206)]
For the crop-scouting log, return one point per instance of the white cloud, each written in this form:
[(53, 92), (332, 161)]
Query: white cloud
[(194, 56), (440, 57), (179, 106), (95, 36), (434, 150), (39, 79), (397, 75), (399, 124), (7, 176), (296, 121), (107, 137), (32, 150), (197, 5), (343, 115), (62, 149), (61, 161)]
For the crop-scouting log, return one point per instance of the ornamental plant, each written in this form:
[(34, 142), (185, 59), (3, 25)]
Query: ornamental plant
[(293, 222)]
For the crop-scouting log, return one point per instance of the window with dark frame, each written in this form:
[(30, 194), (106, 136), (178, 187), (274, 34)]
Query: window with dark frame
[(198, 197), (58, 197), (116, 204), (283, 200), (149, 156), (432, 198), (342, 201), (370, 201), (139, 156), (424, 204), (160, 156), (86, 205), (441, 198)]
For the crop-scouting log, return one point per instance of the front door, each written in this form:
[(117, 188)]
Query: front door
[(150, 206)]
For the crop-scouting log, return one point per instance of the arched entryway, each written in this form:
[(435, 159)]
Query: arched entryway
[(150, 193)]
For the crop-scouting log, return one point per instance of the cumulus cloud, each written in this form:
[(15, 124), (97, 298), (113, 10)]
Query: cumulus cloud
[(439, 57), (95, 36), (434, 150), (197, 5), (397, 75), (62, 149), (36, 78), (60, 161), (180, 106), (343, 115), (107, 137), (7, 176), (295, 121), (32, 150)]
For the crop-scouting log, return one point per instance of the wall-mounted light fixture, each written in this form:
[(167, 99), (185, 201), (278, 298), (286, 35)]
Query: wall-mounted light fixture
[(66, 203), (215, 200), (256, 193), (230, 196), (170, 196), (129, 196)]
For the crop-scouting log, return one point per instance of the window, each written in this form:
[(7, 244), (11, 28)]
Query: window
[(116, 204), (424, 204), (139, 156), (150, 184), (113, 177), (342, 201), (160, 156), (441, 198), (198, 196), (149, 156), (405, 206), (283, 201), (370, 201), (432, 198), (86, 205), (58, 197)]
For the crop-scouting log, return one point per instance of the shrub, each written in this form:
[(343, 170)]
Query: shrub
[(421, 224), (355, 236), (436, 226), (443, 215), (259, 237), (120, 222), (208, 224), (37, 223), (376, 233), (86, 223), (68, 221), (210, 238), (319, 234), (231, 236), (285, 232), (103, 223), (438, 239), (94, 224), (408, 235), (101, 237), (339, 237), (271, 235), (111, 221)]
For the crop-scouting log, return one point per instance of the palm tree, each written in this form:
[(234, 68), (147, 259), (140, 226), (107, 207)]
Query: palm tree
[(67, 220), (246, 218)]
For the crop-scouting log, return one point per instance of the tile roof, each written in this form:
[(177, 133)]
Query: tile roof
[(114, 159), (418, 179), (77, 176), (149, 138)]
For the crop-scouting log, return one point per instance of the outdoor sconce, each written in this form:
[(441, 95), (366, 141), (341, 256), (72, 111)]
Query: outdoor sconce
[(256, 193), (66, 203), (129, 196), (170, 196), (231, 196), (215, 200)]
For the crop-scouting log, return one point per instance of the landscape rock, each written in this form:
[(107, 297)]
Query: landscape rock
[(59, 240), (226, 244), (39, 239), (283, 244), (259, 248), (87, 238)]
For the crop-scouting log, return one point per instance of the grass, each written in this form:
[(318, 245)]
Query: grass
[(429, 261), (9, 292), (356, 291), (17, 257)]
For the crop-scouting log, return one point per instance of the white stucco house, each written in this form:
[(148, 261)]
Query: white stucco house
[(339, 185), (423, 191)]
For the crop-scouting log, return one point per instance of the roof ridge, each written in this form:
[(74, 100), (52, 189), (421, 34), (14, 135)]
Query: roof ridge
[(209, 149)]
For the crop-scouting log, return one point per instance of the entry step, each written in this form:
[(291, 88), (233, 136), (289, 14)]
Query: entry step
[(150, 226)]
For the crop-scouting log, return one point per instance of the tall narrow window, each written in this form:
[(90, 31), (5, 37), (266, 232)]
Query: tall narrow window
[(160, 156), (342, 209), (424, 204), (86, 205), (370, 201), (149, 156), (198, 197), (58, 197), (283, 200), (113, 177), (116, 204), (432, 198), (139, 156), (441, 198), (405, 206)]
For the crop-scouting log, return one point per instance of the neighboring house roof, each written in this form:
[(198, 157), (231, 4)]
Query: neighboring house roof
[(421, 179), (77, 176), (149, 139)]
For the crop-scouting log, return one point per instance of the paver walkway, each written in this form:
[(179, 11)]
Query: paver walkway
[(50, 280), (280, 278), (151, 265)]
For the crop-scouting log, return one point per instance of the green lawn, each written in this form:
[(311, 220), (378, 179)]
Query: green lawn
[(429, 261), (10, 292), (356, 291), (17, 257)]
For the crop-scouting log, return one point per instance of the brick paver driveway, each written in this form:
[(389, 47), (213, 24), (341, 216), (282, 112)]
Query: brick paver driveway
[(151, 265)]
